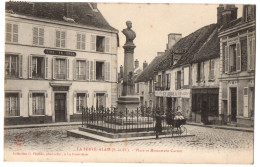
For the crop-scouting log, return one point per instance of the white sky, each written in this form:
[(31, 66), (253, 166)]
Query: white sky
[(153, 22)]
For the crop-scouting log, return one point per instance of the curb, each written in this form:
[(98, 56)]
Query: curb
[(221, 127), (41, 125)]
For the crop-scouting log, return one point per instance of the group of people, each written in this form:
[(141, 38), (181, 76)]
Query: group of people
[(172, 118)]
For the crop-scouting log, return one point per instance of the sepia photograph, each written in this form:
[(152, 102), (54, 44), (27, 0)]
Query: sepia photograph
[(129, 82)]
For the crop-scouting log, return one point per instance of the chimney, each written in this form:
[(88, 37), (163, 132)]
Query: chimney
[(145, 64), (160, 53), (121, 71), (220, 9), (173, 38), (136, 64), (229, 14)]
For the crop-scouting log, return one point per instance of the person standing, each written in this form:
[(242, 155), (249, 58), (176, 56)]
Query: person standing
[(158, 124)]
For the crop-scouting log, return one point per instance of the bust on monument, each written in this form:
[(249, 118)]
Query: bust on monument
[(129, 33)]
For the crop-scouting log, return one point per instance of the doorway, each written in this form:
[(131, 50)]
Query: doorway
[(169, 103), (233, 92), (60, 107)]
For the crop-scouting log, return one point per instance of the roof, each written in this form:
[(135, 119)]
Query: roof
[(81, 12), (209, 50), (186, 48), (148, 72)]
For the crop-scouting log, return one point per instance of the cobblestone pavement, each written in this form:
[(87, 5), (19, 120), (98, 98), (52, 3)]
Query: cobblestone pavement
[(55, 139)]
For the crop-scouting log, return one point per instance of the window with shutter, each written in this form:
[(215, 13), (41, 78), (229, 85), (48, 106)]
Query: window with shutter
[(41, 36), (20, 66), (8, 34), (87, 70), (78, 40), (15, 33), (11, 66), (46, 67), (91, 70), (35, 36), (63, 39), (38, 36), (226, 55), (83, 42), (81, 69), (107, 71), (57, 38), (251, 53), (245, 103), (107, 41), (93, 43), (30, 67), (11, 33), (238, 56)]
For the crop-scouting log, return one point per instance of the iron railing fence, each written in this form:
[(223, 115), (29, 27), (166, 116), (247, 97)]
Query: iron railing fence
[(115, 121)]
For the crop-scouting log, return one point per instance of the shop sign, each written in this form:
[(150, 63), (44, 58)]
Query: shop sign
[(179, 93), (59, 52)]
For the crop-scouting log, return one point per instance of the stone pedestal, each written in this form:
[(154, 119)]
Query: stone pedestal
[(128, 99)]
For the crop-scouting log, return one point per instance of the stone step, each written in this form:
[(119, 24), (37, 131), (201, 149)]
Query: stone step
[(121, 135), (82, 134)]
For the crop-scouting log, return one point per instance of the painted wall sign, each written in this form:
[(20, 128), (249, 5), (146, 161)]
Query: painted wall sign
[(179, 93), (59, 52)]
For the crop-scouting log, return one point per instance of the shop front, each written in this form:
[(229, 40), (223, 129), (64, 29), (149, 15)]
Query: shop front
[(205, 105)]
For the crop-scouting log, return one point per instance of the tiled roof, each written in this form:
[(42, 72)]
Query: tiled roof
[(148, 72), (186, 50), (186, 47), (209, 50), (80, 12)]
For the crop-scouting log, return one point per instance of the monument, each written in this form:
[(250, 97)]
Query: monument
[(128, 100)]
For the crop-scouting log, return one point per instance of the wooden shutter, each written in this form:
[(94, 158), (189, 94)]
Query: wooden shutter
[(58, 38), (226, 59), (211, 69), (86, 100), (35, 36), (182, 78), (74, 69), (68, 69), (75, 102), (20, 66), (8, 34), (53, 68), (30, 103), (83, 42), (107, 44), (15, 32), (238, 58), (93, 43), (253, 54), (245, 102), (107, 71), (176, 80), (94, 70), (46, 67), (41, 36), (87, 70), (63, 39), (78, 40), (91, 70), (30, 66)]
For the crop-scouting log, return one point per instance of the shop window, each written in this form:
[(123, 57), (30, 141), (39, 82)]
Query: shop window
[(38, 104), (81, 101), (12, 104)]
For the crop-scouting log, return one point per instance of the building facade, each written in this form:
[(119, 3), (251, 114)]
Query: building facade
[(237, 68), (56, 66)]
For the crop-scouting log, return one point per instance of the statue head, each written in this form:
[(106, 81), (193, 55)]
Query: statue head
[(129, 24)]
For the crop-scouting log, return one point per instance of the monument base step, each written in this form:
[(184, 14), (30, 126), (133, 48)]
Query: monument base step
[(97, 135)]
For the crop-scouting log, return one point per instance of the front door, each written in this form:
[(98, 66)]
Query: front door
[(233, 92), (60, 107)]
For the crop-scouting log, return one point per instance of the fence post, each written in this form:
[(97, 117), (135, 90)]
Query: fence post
[(86, 110), (82, 117), (126, 119), (137, 116)]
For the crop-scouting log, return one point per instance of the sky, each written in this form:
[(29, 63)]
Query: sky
[(153, 22)]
